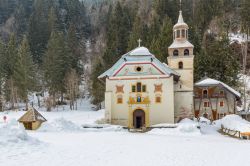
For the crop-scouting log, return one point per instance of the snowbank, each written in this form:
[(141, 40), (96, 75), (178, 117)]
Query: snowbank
[(188, 126), (234, 122), (59, 124), (63, 125), (102, 127), (166, 125), (204, 120), (14, 133), (184, 127)]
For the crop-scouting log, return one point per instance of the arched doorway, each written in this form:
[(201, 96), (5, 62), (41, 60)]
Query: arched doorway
[(138, 118)]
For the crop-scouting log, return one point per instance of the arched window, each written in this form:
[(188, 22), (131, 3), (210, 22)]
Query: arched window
[(180, 65), (138, 87), (119, 99), (186, 52), (176, 53), (183, 33), (204, 93), (158, 99), (187, 34), (178, 34)]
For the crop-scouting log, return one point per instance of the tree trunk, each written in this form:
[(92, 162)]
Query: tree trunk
[(26, 104)]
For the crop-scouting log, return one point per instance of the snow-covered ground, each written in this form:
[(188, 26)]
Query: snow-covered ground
[(62, 141)]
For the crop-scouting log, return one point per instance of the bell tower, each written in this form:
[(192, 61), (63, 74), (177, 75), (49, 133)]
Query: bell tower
[(181, 60)]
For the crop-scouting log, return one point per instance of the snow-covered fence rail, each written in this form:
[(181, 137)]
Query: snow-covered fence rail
[(235, 133), (235, 126)]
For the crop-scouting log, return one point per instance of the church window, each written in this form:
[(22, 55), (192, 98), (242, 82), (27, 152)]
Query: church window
[(119, 89), (158, 88), (133, 88), (206, 104), (158, 99), (138, 87), (186, 52), (180, 65), (187, 34), (119, 100), (144, 88), (183, 33), (221, 92), (138, 99), (138, 68), (176, 53), (221, 103), (178, 34), (204, 93)]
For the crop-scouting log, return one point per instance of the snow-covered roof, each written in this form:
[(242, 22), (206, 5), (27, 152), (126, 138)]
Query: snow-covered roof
[(139, 54), (213, 82), (180, 44), (140, 51)]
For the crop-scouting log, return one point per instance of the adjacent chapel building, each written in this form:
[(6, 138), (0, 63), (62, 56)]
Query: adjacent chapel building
[(142, 91)]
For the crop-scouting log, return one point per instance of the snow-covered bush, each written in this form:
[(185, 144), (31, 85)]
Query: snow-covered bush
[(234, 122)]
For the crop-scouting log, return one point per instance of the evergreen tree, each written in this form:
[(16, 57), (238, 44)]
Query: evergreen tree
[(163, 40), (2, 54), (10, 58), (56, 64), (165, 8), (245, 17), (117, 43), (118, 35), (139, 31), (205, 11), (75, 49), (38, 33), (52, 20), (98, 87), (24, 71), (9, 61), (218, 61)]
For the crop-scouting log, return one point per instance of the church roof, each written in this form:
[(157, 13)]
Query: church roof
[(212, 82), (140, 51), (180, 21), (139, 54), (180, 44), (32, 115)]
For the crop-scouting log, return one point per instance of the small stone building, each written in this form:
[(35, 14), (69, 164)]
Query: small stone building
[(214, 99), (32, 119)]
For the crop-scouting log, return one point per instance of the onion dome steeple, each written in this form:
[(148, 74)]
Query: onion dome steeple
[(180, 28)]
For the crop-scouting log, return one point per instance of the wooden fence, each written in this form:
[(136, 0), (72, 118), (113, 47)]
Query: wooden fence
[(235, 133)]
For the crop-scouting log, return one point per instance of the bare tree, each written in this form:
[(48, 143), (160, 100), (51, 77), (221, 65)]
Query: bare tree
[(72, 87)]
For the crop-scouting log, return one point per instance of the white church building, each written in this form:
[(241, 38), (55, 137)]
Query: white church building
[(142, 91)]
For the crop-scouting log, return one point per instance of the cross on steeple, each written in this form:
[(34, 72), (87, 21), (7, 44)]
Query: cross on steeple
[(180, 5), (139, 42)]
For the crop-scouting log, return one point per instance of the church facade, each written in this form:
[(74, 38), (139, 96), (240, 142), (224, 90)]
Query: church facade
[(142, 91)]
